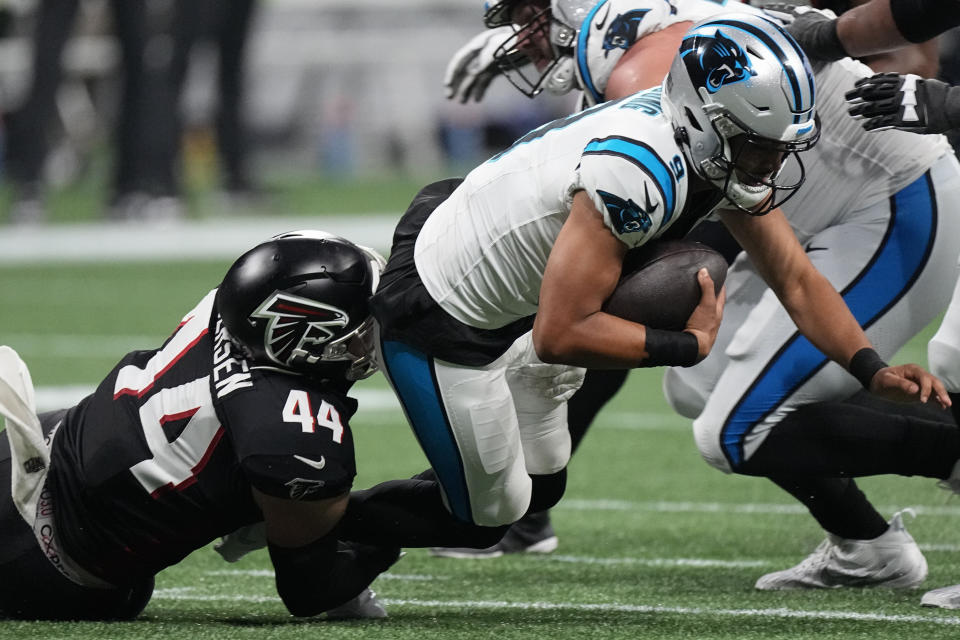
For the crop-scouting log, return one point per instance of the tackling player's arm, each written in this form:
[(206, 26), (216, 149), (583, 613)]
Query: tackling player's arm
[(581, 273), (820, 312)]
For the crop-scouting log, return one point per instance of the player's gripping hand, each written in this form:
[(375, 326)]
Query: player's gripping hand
[(909, 383), (906, 102), (704, 322), (472, 67), (814, 30)]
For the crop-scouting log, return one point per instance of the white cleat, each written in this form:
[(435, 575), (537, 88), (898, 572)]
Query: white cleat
[(234, 546), (365, 606), (891, 560), (944, 598)]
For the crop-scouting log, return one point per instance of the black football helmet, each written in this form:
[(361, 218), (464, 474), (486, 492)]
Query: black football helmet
[(301, 302)]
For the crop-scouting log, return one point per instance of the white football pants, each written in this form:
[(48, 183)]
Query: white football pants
[(485, 430), (895, 263)]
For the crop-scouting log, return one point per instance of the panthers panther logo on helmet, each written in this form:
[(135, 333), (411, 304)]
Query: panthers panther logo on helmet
[(714, 61), (622, 32)]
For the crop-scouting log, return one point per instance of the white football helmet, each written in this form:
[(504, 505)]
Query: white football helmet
[(742, 78), (562, 20)]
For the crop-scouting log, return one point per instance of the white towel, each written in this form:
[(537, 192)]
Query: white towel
[(30, 456)]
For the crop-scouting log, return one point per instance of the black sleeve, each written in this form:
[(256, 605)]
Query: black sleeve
[(921, 20), (292, 436)]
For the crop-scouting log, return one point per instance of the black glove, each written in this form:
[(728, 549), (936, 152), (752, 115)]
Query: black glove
[(906, 102), (814, 30)]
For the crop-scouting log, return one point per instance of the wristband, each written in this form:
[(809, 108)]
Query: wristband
[(670, 348), (864, 365)]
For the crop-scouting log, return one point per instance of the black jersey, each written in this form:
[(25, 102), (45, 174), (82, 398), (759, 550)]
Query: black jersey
[(160, 459)]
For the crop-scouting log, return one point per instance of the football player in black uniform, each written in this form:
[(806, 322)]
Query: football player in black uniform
[(240, 417)]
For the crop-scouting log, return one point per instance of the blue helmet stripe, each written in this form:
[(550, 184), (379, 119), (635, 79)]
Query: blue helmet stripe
[(645, 158)]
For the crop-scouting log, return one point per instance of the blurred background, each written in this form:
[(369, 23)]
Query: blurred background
[(164, 110), (160, 110)]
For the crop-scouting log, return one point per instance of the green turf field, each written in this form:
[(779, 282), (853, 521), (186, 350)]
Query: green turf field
[(653, 542)]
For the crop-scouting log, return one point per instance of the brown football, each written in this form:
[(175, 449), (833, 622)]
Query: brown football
[(658, 285)]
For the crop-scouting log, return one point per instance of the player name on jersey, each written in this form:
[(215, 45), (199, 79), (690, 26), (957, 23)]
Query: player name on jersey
[(229, 372)]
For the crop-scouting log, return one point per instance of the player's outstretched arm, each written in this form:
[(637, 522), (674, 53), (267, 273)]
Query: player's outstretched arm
[(820, 312), (472, 67)]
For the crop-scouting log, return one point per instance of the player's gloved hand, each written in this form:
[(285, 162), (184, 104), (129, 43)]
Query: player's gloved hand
[(906, 102), (472, 67), (909, 383), (814, 29), (704, 322), (555, 382)]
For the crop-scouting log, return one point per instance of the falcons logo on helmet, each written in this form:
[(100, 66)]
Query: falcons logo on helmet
[(298, 327)]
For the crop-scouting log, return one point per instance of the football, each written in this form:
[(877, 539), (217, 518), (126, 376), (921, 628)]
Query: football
[(658, 285)]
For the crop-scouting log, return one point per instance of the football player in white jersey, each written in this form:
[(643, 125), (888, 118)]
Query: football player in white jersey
[(852, 218), (492, 295)]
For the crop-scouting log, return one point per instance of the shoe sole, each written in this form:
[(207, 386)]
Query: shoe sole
[(547, 545), (471, 554)]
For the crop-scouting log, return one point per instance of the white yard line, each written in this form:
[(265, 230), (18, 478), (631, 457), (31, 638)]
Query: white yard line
[(268, 573), (729, 507), (212, 238), (190, 595)]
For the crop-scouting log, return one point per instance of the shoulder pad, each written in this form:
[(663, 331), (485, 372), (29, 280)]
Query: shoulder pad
[(639, 186), (608, 31)]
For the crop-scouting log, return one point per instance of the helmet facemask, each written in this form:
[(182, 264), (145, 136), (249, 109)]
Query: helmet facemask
[(539, 27), (752, 188), (740, 97)]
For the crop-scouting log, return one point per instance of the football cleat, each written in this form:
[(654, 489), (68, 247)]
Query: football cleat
[(891, 560), (531, 534), (365, 606), (944, 597), (235, 545)]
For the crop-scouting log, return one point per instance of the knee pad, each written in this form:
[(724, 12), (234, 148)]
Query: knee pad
[(503, 504), (684, 398)]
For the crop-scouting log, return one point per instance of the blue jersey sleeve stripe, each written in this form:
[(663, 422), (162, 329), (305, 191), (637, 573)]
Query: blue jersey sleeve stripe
[(645, 158), (582, 65)]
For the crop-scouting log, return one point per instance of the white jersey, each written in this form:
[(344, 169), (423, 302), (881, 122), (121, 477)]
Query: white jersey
[(482, 253), (849, 169)]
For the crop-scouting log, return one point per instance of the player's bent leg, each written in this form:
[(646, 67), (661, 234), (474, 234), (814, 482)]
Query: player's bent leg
[(465, 422), (410, 513)]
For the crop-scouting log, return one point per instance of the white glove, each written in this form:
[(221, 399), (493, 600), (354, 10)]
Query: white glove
[(472, 67), (556, 382)]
